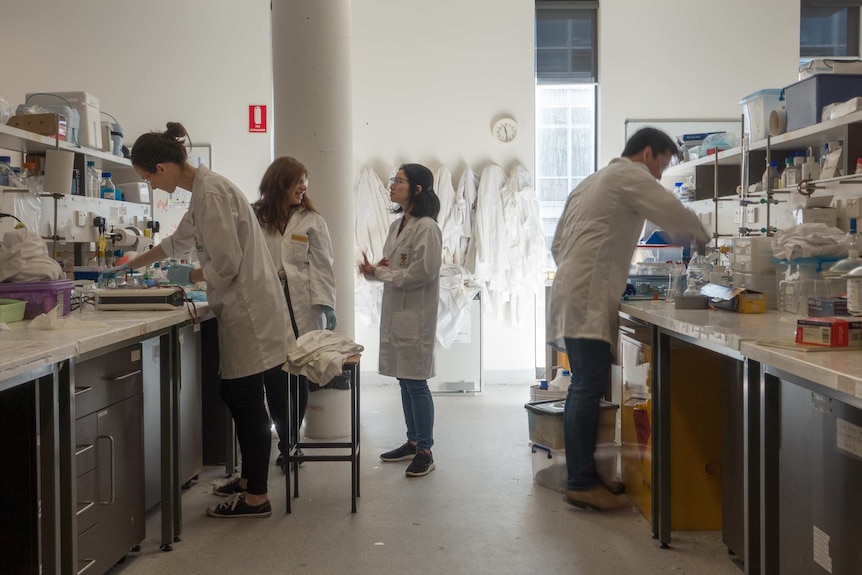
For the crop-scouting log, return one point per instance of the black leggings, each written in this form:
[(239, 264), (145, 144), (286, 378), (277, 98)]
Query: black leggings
[(275, 381), (244, 398)]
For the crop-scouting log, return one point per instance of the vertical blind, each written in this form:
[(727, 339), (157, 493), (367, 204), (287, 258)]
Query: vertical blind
[(566, 43)]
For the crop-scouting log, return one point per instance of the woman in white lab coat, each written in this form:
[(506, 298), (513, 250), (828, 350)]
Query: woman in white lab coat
[(410, 272), (243, 292), (299, 242)]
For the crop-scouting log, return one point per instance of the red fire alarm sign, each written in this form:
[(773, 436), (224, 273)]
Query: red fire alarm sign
[(257, 118)]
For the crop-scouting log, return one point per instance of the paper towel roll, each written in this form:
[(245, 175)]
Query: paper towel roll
[(58, 172), (127, 236), (777, 122)]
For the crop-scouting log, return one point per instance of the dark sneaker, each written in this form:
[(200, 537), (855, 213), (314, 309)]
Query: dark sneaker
[(236, 506), (279, 461), (229, 487), (422, 464), (403, 453)]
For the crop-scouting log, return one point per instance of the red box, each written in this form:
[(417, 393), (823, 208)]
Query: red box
[(41, 297), (829, 332)]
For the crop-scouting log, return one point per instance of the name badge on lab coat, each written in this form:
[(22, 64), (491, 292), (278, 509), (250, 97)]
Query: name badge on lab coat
[(402, 261), (299, 238)]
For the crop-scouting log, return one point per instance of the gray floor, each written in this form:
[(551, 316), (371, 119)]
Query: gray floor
[(478, 512)]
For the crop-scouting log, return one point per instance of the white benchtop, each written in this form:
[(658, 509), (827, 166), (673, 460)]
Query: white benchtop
[(719, 327), (838, 370), (24, 349)]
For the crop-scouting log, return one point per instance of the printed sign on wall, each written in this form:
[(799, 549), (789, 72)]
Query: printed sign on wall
[(257, 118)]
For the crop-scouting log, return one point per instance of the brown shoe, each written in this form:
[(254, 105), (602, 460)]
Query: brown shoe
[(598, 498)]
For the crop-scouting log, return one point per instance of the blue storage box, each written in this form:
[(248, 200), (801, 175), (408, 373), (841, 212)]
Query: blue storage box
[(805, 99)]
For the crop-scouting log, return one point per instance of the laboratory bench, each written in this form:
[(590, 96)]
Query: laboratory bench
[(790, 444), (82, 409)]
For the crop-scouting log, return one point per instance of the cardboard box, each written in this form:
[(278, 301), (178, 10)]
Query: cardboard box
[(735, 299), (827, 307), (829, 332), (43, 124)]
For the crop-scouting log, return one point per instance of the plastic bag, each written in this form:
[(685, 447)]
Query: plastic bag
[(720, 141), (6, 110)]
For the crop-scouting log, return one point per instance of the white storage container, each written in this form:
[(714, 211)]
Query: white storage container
[(756, 108), (545, 422), (328, 414), (549, 465), (753, 255), (87, 105)]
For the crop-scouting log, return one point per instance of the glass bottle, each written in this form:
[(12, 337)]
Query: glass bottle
[(107, 190), (5, 170)]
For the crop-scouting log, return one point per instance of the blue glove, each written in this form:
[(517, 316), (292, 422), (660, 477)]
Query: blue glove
[(111, 272), (178, 274), (331, 319)]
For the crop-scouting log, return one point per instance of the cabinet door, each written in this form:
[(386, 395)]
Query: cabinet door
[(820, 471), (120, 491), (191, 430)]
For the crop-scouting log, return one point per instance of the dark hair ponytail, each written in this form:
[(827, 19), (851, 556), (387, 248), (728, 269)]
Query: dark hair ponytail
[(161, 147), (423, 202)]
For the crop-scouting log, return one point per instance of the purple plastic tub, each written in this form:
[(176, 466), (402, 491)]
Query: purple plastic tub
[(41, 297)]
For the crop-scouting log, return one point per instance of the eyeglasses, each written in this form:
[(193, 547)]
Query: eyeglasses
[(396, 180)]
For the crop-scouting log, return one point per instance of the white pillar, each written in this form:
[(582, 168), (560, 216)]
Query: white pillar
[(312, 120)]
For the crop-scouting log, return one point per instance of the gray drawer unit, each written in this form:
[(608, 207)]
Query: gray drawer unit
[(109, 458), (85, 444), (107, 379), (87, 508)]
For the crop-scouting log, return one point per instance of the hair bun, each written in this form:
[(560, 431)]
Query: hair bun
[(175, 131)]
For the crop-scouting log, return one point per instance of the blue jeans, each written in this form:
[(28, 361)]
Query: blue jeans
[(418, 412), (590, 361)]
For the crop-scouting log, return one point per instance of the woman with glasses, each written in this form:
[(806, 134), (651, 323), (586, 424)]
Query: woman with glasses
[(299, 242), (242, 291), (410, 272)]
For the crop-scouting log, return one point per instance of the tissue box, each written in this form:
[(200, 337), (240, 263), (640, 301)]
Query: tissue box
[(51, 125), (829, 332), (827, 307)]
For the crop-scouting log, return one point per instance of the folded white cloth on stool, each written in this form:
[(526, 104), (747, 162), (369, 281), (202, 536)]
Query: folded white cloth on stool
[(319, 355)]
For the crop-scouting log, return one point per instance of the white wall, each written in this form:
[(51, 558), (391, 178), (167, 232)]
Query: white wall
[(429, 80), (674, 59), (199, 62)]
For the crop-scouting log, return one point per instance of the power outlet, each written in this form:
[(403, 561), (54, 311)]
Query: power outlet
[(737, 216), (81, 219), (706, 219), (751, 214), (851, 208)]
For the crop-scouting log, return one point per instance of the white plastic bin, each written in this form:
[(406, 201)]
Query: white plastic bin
[(756, 108), (328, 414), (549, 465)]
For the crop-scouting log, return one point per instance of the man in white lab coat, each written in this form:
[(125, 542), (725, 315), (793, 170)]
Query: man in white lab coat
[(593, 246)]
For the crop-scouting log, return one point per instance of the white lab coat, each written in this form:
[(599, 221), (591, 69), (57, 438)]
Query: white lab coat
[(466, 195), (488, 253), (411, 291), (451, 217), (304, 253), (243, 290), (594, 242), (526, 245), (373, 218)]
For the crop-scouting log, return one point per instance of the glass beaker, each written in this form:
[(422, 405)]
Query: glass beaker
[(674, 281)]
